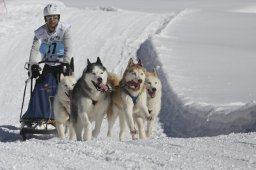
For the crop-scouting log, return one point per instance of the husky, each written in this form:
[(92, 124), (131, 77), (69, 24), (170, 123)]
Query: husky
[(90, 100), (62, 106), (154, 94), (129, 102)]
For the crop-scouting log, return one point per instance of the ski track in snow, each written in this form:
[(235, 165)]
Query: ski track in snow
[(132, 37)]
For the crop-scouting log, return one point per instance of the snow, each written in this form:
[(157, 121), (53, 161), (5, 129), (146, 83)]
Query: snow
[(205, 55)]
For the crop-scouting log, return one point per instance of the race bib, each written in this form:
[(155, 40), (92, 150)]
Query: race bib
[(52, 49)]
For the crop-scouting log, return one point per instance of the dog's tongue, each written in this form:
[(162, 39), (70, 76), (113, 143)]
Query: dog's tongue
[(103, 87)]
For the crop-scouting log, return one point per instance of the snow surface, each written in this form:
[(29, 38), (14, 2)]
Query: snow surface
[(205, 55)]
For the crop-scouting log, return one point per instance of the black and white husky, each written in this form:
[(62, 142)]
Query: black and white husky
[(90, 100)]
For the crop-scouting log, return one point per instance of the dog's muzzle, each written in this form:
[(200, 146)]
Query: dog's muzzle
[(152, 92), (68, 94), (133, 84)]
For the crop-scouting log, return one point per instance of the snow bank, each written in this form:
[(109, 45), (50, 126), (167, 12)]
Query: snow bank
[(180, 119), (183, 114)]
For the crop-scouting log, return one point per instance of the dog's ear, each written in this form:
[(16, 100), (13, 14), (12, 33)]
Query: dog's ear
[(71, 66), (130, 63), (140, 62), (88, 62), (98, 61), (155, 72), (61, 77)]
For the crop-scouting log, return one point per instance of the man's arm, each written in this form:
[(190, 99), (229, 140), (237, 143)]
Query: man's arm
[(67, 46), (34, 50)]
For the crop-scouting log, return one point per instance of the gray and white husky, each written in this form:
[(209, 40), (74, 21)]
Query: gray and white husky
[(90, 100)]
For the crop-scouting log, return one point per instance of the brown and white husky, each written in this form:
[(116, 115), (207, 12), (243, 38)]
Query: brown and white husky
[(129, 102)]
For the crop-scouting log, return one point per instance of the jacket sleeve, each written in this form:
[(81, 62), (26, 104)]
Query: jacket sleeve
[(67, 46), (34, 50)]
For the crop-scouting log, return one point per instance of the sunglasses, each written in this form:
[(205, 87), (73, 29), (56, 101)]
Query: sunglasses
[(53, 17)]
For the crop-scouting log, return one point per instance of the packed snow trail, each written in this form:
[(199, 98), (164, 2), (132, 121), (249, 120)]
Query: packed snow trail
[(235, 151)]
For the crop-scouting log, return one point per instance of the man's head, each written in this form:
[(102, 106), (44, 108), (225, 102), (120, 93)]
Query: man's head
[(51, 16)]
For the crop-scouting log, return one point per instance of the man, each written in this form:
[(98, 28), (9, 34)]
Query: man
[(53, 41)]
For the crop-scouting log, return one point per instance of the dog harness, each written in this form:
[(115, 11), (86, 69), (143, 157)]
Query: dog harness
[(134, 98)]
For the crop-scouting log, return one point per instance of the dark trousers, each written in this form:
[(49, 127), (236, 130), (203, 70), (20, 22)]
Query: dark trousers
[(55, 70)]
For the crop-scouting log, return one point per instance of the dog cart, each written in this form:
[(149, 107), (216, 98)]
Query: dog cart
[(39, 117)]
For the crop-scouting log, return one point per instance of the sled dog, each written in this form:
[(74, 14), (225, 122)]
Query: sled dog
[(90, 100), (62, 105), (129, 102), (154, 93)]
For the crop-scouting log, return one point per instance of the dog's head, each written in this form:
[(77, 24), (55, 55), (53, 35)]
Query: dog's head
[(134, 75), (153, 84), (95, 75), (67, 83)]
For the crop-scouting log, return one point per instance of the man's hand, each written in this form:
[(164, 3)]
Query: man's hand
[(34, 71)]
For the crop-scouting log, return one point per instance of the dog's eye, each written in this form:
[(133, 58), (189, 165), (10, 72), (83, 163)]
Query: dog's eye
[(149, 83), (101, 72), (134, 73), (66, 85), (155, 82), (141, 74), (94, 73), (73, 84)]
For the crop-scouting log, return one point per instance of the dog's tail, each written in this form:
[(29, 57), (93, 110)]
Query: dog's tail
[(113, 80)]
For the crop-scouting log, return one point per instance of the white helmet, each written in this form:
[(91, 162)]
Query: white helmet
[(51, 9)]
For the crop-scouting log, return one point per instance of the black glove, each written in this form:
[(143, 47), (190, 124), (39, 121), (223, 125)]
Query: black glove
[(35, 71)]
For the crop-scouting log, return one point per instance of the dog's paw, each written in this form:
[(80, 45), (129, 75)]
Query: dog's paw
[(134, 137), (109, 134), (134, 132), (148, 134), (149, 118)]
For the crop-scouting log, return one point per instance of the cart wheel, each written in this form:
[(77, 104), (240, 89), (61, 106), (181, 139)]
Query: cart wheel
[(24, 138), (23, 135)]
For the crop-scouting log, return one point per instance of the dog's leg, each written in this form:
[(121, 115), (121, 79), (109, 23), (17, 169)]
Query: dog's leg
[(78, 128), (140, 123), (61, 129), (142, 104), (134, 135), (149, 128), (122, 124), (111, 120), (129, 118), (72, 133), (87, 126), (98, 123)]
